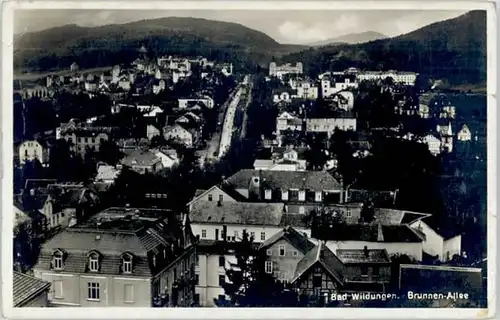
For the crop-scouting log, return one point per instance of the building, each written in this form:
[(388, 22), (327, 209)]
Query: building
[(286, 186), (365, 270), (399, 77), (287, 121), (396, 239), (446, 134), (444, 247), (464, 134), (307, 90), (152, 131), (332, 84), (107, 174), (74, 67), (82, 136), (186, 102), (181, 134), (289, 159), (329, 125), (142, 161), (226, 220), (34, 149), (281, 70), (283, 95), (29, 292), (433, 143), (121, 257), (169, 157), (284, 250)]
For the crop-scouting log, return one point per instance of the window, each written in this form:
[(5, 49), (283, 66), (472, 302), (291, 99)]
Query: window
[(317, 281), (203, 233), (222, 280), (58, 261), (302, 195), (127, 263), (222, 261), (282, 250), (375, 271), (221, 197), (269, 267), (197, 279), (209, 197), (267, 194), (262, 236), (302, 210), (252, 234), (57, 287), (295, 253), (319, 196), (216, 234), (236, 235), (348, 213), (94, 262), (128, 293), (284, 195), (364, 271), (269, 252), (196, 299), (93, 291)]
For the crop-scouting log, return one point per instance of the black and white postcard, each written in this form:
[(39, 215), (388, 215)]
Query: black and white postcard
[(237, 159)]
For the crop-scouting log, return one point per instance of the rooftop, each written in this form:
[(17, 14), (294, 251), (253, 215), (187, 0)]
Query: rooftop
[(323, 255), (237, 213), (26, 287), (363, 256), (292, 236), (302, 180), (140, 158)]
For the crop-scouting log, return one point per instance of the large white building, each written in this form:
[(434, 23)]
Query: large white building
[(328, 125), (280, 71), (403, 77), (32, 149), (332, 84)]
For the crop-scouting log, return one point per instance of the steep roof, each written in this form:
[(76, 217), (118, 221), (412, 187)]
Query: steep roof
[(313, 180), (140, 158), (292, 236), (236, 213), (323, 255), (26, 287), (113, 233)]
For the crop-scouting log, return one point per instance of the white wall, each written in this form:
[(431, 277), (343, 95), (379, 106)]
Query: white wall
[(433, 243), (268, 231), (208, 271), (453, 246)]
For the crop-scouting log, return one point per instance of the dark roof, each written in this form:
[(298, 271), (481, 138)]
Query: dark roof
[(26, 287), (440, 279), (313, 180), (360, 256), (140, 158), (293, 219), (111, 237), (236, 213), (219, 246), (292, 236), (323, 255)]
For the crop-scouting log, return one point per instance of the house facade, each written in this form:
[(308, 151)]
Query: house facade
[(32, 149), (435, 244), (329, 125), (180, 134), (122, 258)]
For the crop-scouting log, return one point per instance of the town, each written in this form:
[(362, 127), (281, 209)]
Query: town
[(175, 181)]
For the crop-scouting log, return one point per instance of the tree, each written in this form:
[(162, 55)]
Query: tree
[(323, 222), (249, 285), (368, 211), (109, 152)]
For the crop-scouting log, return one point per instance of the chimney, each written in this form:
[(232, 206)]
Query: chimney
[(366, 252), (380, 233)]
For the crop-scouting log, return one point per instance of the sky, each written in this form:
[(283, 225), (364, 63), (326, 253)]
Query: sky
[(290, 27)]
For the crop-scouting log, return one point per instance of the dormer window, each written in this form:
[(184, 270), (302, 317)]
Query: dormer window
[(267, 195), (302, 195), (127, 263), (284, 195), (58, 260), (94, 262), (318, 196)]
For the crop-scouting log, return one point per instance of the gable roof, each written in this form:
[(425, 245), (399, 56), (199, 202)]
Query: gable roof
[(245, 213), (312, 180), (201, 193), (140, 158), (292, 236), (323, 255), (26, 287)]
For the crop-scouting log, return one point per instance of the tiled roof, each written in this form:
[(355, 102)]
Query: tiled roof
[(292, 219), (140, 158), (322, 254), (302, 180), (26, 287), (219, 247), (107, 173), (139, 236), (360, 256), (236, 213), (292, 236)]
